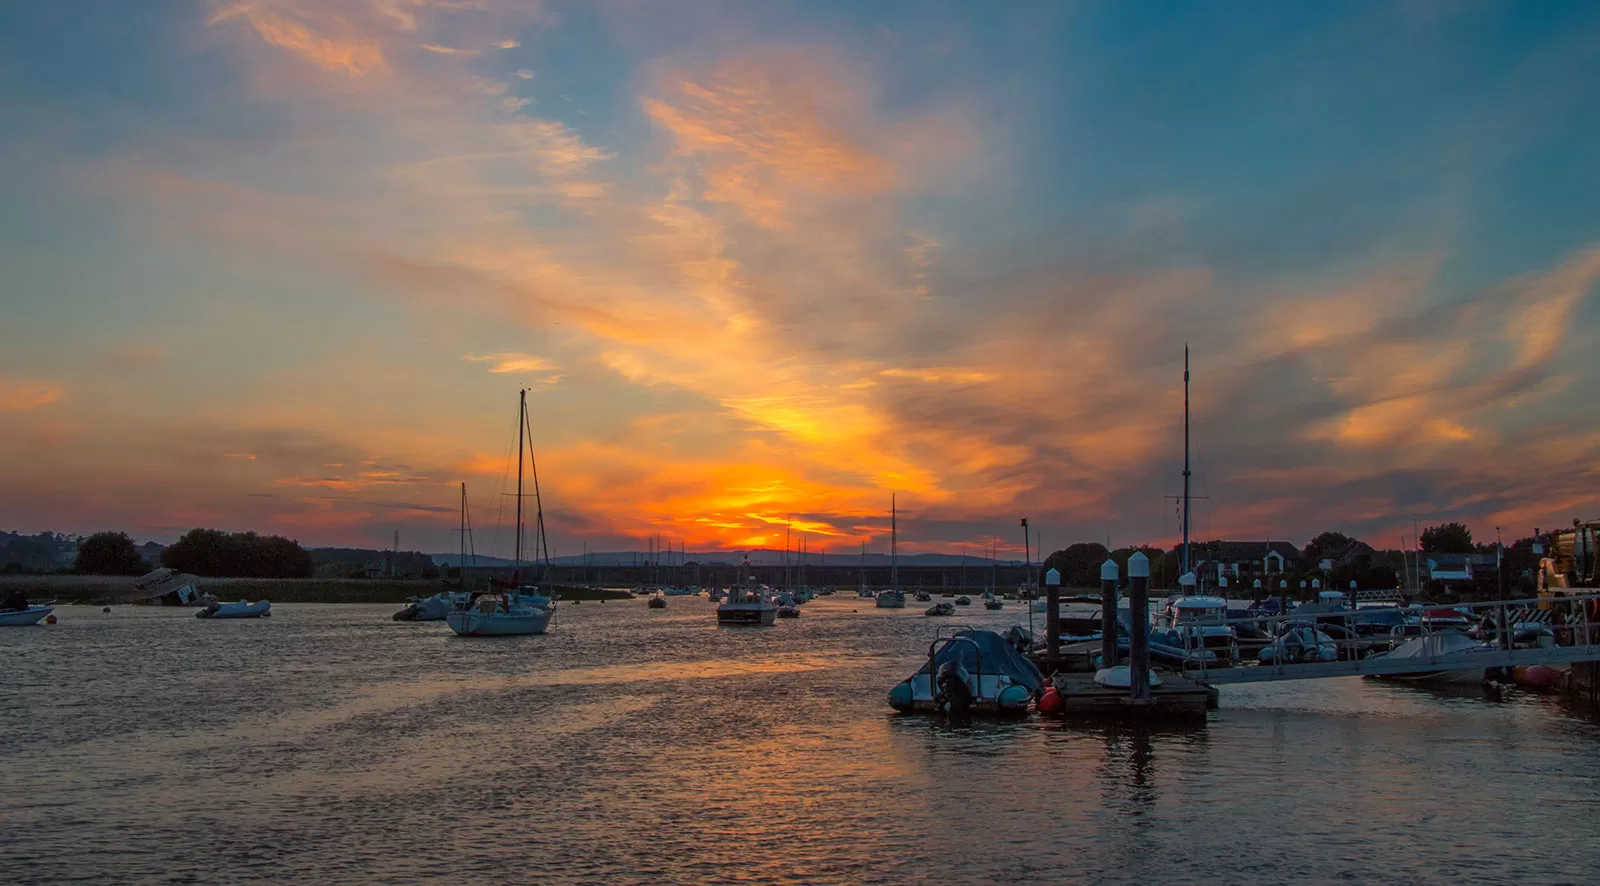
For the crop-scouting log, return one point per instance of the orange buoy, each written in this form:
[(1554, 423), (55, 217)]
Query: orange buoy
[(106, 609), (50, 620), (1050, 703)]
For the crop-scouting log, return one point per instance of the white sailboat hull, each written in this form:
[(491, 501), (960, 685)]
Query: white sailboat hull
[(472, 623)]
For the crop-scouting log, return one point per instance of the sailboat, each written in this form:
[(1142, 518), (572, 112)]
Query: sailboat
[(893, 597), (522, 609), (437, 606)]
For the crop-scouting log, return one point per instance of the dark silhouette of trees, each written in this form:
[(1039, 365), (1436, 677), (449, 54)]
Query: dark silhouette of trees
[(1079, 564), (1447, 538), (237, 554), (109, 553)]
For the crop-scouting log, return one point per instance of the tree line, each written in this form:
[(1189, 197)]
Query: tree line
[(205, 552)]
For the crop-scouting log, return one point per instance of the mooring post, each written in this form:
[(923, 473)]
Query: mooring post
[(1052, 616), (1139, 628), (1108, 613)]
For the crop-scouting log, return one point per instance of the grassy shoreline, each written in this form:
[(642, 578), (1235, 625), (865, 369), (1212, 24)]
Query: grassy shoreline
[(87, 588)]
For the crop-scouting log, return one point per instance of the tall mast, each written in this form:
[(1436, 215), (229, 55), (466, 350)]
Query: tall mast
[(541, 541), (463, 563), (1185, 461), (894, 551), (522, 411)]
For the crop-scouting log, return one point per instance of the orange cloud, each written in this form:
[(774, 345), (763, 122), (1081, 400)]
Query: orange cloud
[(21, 396), (298, 29)]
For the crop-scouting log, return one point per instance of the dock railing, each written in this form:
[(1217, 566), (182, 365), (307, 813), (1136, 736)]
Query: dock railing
[(1508, 633)]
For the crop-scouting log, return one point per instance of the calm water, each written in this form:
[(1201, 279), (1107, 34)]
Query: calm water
[(332, 745)]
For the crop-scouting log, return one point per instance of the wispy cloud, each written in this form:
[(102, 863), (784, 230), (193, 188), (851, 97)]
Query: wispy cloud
[(22, 396)]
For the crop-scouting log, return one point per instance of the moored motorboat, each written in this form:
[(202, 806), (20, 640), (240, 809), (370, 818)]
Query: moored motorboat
[(1437, 648), (1298, 644), (963, 600), (657, 602), (432, 608), (994, 603), (790, 611), (752, 605), (922, 596), (241, 609), (940, 608), (969, 672), (28, 615), (891, 599)]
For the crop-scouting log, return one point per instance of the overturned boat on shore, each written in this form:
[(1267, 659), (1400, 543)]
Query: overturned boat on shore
[(168, 587), (969, 672)]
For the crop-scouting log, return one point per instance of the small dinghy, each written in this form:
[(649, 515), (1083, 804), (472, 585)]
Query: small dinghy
[(241, 609), (993, 603), (657, 602), (969, 672), (31, 615), (790, 611), (963, 601), (1121, 677), (923, 596), (940, 608)]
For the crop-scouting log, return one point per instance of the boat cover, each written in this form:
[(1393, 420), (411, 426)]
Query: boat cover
[(998, 657)]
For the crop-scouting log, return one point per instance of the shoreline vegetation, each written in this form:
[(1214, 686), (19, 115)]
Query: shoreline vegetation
[(85, 589)]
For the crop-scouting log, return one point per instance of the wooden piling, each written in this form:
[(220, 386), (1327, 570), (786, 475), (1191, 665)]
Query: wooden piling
[(1139, 630), (1108, 613)]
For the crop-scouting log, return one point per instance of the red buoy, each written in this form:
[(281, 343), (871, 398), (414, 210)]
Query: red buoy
[(50, 620), (1050, 702), (1537, 676)]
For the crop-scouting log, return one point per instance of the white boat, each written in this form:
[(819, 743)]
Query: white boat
[(503, 615), (1198, 623), (29, 616), (891, 599), (524, 609), (752, 605), (433, 608), (1121, 677), (1438, 647), (241, 609)]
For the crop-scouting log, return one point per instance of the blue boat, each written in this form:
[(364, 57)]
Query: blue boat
[(970, 672)]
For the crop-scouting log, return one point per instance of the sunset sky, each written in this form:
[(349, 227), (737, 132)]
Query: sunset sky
[(283, 265)]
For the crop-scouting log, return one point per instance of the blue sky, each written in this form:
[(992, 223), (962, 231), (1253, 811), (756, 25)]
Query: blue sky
[(283, 265)]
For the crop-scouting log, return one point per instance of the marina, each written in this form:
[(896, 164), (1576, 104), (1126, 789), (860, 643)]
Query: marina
[(292, 724)]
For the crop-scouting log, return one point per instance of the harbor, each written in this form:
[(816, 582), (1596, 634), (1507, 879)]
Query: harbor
[(334, 732)]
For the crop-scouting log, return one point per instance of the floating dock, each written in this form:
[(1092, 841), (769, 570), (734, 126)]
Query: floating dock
[(1177, 696)]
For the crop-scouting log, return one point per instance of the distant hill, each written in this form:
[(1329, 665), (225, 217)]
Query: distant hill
[(758, 557), (346, 562)]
